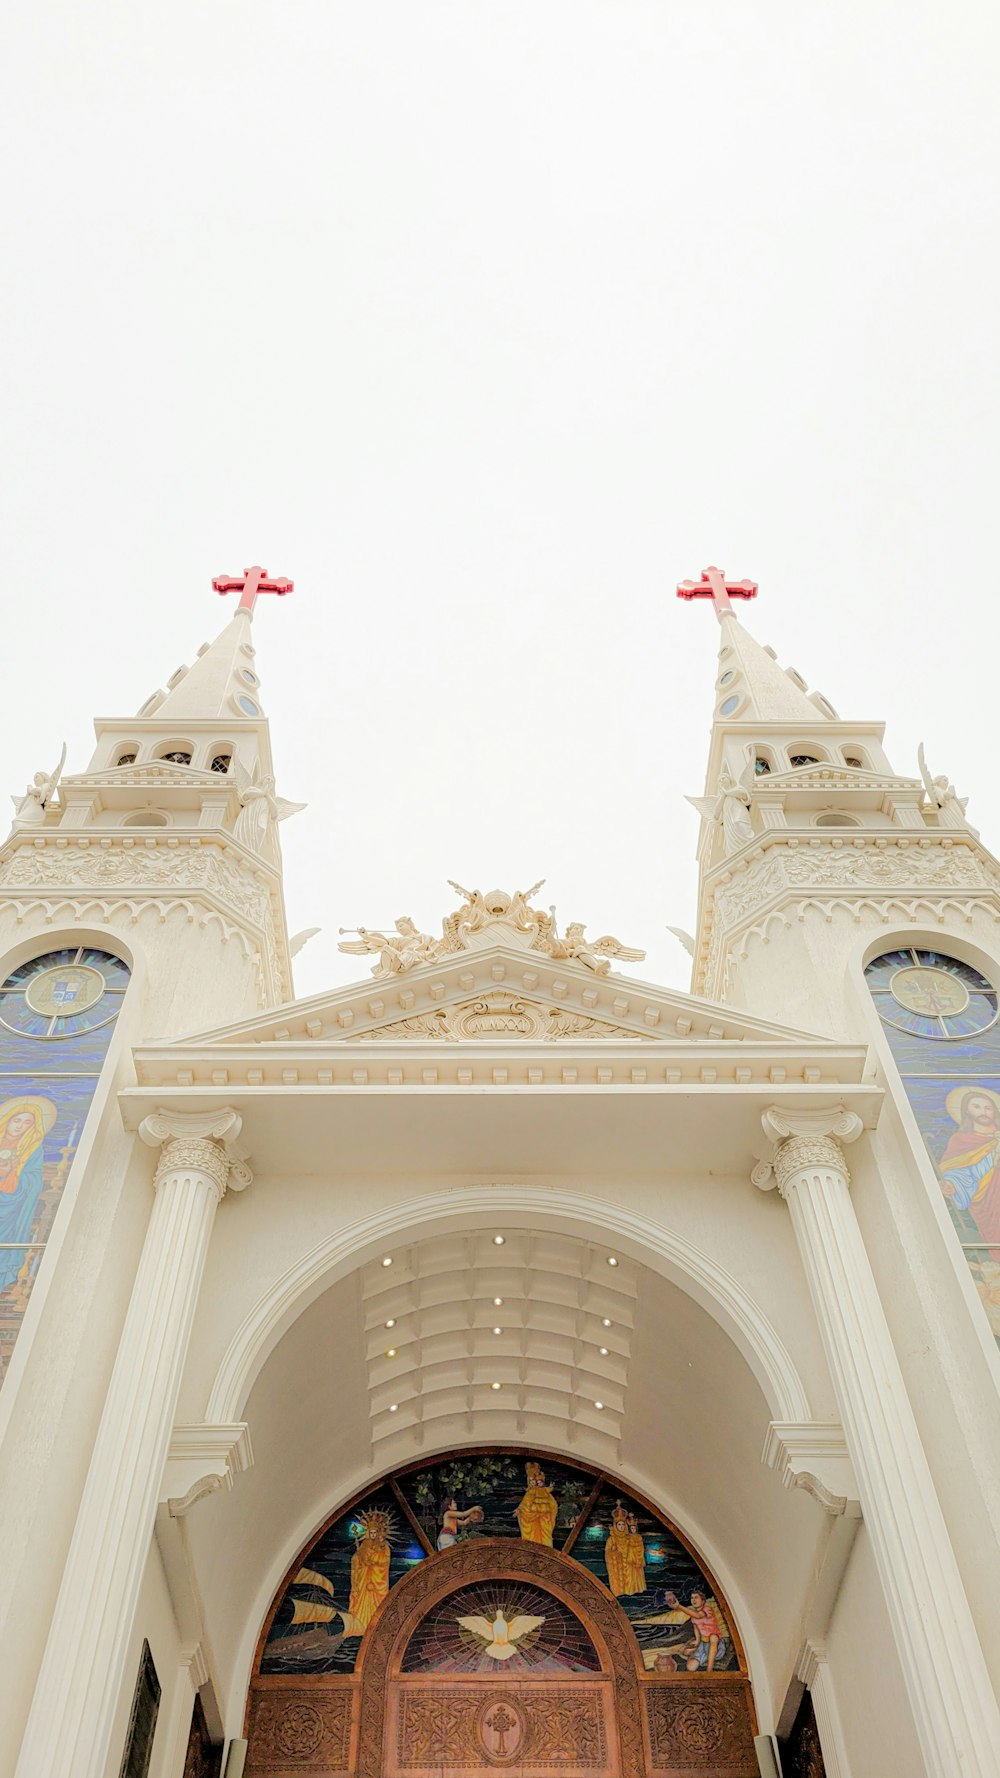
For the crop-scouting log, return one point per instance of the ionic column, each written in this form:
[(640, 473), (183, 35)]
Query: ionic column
[(83, 1668), (953, 1702)]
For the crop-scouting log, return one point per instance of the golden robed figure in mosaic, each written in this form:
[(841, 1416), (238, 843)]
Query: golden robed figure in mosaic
[(536, 1512), (370, 1566)]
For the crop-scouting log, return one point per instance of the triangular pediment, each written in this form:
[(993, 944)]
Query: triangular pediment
[(159, 773), (501, 993), (834, 777)]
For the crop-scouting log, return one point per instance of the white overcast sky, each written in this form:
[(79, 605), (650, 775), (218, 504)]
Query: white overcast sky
[(487, 321)]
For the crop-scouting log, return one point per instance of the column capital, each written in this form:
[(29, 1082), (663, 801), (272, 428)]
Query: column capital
[(805, 1139), (200, 1141)]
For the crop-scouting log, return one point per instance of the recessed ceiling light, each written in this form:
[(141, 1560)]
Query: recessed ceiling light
[(393, 1407), (603, 1351), (605, 1322), (498, 1240), (496, 1385), (498, 1330), (391, 1352), (387, 1260), (598, 1404), (391, 1321), (498, 1302), (612, 1260)]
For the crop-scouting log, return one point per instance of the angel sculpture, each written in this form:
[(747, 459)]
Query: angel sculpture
[(500, 1638), (683, 937), (731, 806), (258, 808), (397, 951), (596, 953), (29, 809), (950, 806)]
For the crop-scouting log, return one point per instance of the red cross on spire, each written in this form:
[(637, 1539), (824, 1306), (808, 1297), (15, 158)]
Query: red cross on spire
[(252, 582), (714, 585)]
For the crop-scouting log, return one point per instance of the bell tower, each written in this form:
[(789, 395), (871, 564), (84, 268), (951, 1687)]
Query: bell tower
[(809, 838), (169, 836)]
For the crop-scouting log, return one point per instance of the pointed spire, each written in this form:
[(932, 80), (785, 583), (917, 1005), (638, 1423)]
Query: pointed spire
[(222, 682), (754, 687)]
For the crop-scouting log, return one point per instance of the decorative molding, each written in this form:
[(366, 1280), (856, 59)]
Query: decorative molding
[(198, 1142), (503, 1014), (804, 1139), (194, 1661), (204, 1459), (814, 1671), (769, 878), (210, 872), (813, 1454)]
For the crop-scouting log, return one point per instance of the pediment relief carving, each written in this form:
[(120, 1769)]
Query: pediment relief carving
[(502, 1014)]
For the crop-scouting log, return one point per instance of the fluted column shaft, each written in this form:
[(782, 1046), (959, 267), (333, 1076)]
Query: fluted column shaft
[(952, 1699), (83, 1668)]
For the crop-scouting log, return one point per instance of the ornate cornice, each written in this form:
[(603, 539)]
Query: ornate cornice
[(200, 868), (788, 871)]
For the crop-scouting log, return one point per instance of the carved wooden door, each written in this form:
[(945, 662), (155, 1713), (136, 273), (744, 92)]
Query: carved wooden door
[(441, 1696)]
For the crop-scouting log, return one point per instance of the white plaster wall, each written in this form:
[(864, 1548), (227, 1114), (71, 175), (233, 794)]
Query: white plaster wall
[(867, 1680), (802, 974)]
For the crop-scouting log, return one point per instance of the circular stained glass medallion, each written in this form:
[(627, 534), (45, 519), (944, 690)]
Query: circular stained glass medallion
[(63, 993), (930, 991), (931, 994), (71, 988)]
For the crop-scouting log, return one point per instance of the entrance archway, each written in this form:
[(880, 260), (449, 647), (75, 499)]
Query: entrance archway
[(384, 1657)]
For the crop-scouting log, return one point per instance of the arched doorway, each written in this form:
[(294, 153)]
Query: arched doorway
[(495, 1653)]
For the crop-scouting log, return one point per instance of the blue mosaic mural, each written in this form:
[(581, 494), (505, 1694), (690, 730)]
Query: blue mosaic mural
[(57, 1013), (940, 1017)]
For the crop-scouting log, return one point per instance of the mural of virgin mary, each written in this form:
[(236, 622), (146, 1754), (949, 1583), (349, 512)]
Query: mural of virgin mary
[(24, 1124), (970, 1165)]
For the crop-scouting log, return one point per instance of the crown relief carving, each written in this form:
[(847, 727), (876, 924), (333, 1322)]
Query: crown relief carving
[(532, 928)]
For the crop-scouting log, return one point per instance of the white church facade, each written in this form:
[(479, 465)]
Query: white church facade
[(502, 1364)]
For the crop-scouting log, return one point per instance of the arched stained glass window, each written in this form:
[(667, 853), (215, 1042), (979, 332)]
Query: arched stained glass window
[(57, 1013), (940, 1018)]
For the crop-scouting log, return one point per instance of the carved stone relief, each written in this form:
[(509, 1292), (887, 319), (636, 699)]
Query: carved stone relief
[(494, 1015), (204, 866)]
